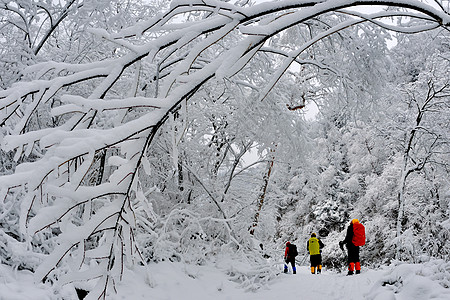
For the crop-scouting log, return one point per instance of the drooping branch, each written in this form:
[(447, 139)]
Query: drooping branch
[(190, 55)]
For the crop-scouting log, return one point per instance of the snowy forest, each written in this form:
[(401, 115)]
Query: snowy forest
[(135, 133)]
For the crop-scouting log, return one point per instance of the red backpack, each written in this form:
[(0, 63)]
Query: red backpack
[(359, 234)]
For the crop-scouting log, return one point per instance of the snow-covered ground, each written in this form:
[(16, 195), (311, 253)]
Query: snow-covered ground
[(177, 281), (303, 285)]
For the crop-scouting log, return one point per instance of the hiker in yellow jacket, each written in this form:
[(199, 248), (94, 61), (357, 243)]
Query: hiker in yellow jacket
[(314, 246)]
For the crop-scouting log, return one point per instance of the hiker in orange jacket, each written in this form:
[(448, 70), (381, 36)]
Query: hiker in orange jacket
[(353, 240)]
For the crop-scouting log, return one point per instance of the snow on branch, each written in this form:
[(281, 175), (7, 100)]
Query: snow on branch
[(64, 119)]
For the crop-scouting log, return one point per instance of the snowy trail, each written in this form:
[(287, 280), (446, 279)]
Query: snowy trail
[(171, 283), (327, 285)]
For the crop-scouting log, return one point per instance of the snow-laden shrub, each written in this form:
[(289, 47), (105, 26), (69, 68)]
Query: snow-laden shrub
[(180, 236), (250, 271), (429, 280), (332, 256)]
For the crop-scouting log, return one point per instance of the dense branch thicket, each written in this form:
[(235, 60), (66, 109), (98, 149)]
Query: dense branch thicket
[(124, 132)]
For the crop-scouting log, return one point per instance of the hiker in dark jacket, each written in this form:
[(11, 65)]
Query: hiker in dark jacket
[(354, 238), (314, 246), (289, 257)]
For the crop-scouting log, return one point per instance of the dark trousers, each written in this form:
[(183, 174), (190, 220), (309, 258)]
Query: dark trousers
[(316, 260), (290, 260), (353, 253)]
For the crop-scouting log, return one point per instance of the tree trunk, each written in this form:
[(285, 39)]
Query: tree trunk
[(262, 194), (408, 169)]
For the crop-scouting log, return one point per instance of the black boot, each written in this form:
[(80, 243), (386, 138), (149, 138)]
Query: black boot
[(358, 272), (350, 273)]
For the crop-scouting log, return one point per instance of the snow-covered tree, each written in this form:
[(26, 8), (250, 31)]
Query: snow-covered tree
[(85, 124)]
